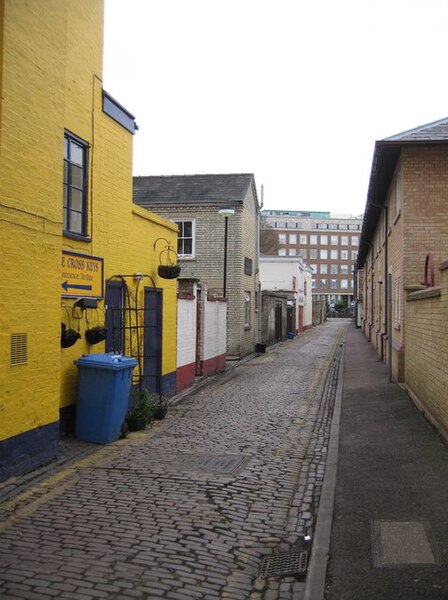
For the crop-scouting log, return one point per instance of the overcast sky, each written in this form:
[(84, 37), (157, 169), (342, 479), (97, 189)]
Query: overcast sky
[(293, 91)]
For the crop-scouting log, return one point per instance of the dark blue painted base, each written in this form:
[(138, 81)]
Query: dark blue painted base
[(27, 451), (168, 385)]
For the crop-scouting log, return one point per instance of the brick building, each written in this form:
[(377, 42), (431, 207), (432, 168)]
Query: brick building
[(328, 244), (66, 216), (193, 202), (402, 305)]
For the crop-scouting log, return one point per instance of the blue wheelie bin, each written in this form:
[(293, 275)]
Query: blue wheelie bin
[(104, 386)]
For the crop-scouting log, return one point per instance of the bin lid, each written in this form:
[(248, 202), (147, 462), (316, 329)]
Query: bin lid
[(106, 360)]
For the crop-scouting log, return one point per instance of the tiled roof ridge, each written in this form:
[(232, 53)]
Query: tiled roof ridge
[(412, 133)]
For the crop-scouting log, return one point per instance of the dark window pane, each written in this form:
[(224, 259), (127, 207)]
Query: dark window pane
[(188, 229), (76, 154), (76, 200), (188, 247), (77, 176), (75, 222)]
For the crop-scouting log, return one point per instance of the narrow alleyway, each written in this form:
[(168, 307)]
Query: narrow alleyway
[(191, 507)]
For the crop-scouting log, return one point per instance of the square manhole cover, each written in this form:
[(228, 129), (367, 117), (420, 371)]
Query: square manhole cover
[(281, 565), (401, 543), (222, 464)]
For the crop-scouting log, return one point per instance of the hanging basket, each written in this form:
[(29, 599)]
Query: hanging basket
[(68, 336), (95, 335), (168, 271)]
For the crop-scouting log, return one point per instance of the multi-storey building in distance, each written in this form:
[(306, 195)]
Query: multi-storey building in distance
[(327, 243)]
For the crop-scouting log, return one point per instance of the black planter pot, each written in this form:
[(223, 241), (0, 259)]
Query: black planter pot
[(96, 335), (160, 413), (168, 271), (135, 423), (68, 336)]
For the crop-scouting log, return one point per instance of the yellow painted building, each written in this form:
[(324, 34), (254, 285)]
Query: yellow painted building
[(68, 229)]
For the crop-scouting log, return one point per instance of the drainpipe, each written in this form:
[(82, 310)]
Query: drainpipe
[(259, 336)]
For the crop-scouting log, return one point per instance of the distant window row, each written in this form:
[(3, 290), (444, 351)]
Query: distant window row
[(333, 226), (332, 284), (324, 269), (314, 254), (313, 240)]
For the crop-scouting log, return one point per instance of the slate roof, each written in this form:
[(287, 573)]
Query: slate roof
[(384, 162), (224, 189), (432, 132)]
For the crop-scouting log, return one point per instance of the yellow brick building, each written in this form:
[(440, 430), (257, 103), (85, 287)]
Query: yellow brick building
[(68, 228)]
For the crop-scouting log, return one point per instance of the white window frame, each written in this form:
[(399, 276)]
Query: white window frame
[(191, 220)]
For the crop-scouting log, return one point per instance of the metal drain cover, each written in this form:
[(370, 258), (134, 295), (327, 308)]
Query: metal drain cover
[(280, 565), (224, 464)]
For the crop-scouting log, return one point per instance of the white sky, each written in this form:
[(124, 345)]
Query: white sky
[(295, 92)]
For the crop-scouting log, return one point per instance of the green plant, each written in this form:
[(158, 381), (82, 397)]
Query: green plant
[(160, 408), (143, 412)]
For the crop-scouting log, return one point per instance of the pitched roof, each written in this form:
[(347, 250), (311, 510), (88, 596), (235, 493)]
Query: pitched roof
[(431, 132), (192, 189), (385, 158)]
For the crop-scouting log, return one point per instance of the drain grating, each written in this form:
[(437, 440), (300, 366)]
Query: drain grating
[(280, 565), (223, 464)]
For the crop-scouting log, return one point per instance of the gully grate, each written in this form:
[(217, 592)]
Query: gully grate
[(280, 565)]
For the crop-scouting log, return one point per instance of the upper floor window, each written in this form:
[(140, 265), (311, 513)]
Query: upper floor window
[(313, 240), (344, 254), (334, 240), (282, 252), (282, 238), (75, 185), (292, 252), (344, 240), (355, 240), (185, 240), (324, 240), (293, 238), (303, 238)]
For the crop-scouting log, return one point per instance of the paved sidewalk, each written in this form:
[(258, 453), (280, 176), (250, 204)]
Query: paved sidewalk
[(390, 525), (193, 506)]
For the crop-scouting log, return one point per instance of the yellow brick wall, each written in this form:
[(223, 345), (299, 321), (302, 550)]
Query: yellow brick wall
[(31, 127), (51, 81), (122, 234), (426, 374)]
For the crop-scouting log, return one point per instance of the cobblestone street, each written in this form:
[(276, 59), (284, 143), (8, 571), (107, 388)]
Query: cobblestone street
[(191, 507)]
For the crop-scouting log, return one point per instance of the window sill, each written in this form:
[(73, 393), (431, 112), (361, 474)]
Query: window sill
[(76, 236)]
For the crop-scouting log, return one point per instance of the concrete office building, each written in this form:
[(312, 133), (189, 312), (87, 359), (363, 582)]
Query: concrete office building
[(327, 243)]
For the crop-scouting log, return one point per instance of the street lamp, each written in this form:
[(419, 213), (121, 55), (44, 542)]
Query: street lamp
[(226, 213)]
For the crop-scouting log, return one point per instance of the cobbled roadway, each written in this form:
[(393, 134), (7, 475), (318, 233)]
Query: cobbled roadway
[(161, 514)]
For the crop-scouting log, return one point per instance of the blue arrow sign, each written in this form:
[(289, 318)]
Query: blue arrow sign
[(70, 286)]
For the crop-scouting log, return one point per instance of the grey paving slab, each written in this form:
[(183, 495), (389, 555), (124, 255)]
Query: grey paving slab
[(392, 481), (190, 507)]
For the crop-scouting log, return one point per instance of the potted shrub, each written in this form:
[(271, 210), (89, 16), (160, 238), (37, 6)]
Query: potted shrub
[(160, 408), (143, 413)]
